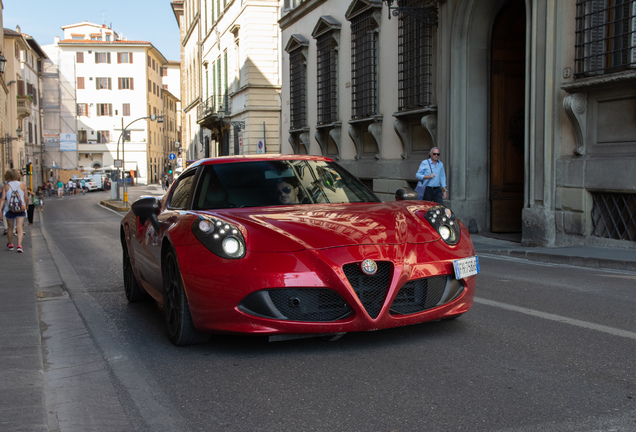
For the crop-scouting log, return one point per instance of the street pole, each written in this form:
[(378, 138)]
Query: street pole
[(122, 137)]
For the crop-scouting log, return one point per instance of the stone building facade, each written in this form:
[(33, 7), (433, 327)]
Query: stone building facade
[(533, 105), (231, 69)]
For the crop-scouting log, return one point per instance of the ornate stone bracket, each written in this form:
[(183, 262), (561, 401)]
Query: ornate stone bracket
[(322, 137), (429, 124), (575, 106), (400, 128), (304, 140), (373, 126), (297, 138)]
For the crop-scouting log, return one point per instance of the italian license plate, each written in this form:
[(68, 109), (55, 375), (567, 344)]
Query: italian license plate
[(466, 267)]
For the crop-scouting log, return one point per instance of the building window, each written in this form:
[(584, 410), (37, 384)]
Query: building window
[(125, 109), (415, 52), (82, 109), (298, 84), (102, 83), (104, 109), (605, 36), (80, 83), (102, 57), (82, 137), (124, 57), (103, 137), (364, 64), (125, 83), (327, 36), (79, 57), (614, 215), (291, 4)]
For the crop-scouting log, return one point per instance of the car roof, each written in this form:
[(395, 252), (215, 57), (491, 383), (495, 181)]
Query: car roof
[(258, 157)]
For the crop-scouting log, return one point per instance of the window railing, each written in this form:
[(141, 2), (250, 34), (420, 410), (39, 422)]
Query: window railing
[(605, 36), (214, 105)]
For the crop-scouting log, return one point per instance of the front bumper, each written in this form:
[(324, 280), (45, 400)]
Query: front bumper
[(324, 291)]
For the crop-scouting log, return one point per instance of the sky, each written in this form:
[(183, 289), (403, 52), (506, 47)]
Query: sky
[(142, 20)]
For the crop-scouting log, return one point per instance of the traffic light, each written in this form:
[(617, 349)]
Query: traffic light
[(29, 168), (169, 168)]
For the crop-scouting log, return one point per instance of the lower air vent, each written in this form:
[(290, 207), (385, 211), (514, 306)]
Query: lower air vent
[(297, 304), (422, 294)]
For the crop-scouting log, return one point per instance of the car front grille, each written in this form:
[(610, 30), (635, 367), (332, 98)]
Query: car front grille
[(370, 289)]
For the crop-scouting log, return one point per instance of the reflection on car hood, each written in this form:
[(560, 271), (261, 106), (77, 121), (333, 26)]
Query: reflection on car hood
[(318, 226)]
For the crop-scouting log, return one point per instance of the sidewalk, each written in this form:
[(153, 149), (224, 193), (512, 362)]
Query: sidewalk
[(31, 278), (22, 403), (580, 256)]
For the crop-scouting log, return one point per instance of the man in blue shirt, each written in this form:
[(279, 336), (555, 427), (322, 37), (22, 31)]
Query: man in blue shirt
[(432, 176)]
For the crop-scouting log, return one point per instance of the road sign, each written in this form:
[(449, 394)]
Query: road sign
[(172, 156), (118, 163), (260, 147)]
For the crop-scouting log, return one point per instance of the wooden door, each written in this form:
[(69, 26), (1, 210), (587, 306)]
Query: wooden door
[(508, 118)]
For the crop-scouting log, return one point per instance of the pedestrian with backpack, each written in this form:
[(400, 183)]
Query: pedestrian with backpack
[(13, 205)]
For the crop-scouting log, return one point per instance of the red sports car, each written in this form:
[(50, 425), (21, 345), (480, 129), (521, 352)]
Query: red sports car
[(292, 246)]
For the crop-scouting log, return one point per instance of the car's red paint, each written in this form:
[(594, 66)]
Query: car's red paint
[(300, 246)]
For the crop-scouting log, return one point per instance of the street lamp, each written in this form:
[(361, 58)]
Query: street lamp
[(3, 63), (124, 131)]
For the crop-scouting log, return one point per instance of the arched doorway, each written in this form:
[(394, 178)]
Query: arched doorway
[(507, 118)]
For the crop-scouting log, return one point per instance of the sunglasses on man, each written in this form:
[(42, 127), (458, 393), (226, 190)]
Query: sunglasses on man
[(286, 190)]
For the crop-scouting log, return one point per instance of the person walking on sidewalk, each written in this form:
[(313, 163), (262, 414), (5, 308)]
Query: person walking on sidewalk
[(41, 194), (14, 218), (33, 201), (432, 178)]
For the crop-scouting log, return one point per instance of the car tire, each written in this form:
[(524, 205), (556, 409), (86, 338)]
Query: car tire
[(175, 305), (133, 290)]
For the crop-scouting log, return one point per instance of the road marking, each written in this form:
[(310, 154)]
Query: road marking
[(584, 324)]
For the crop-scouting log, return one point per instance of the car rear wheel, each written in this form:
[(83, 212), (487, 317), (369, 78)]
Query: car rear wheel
[(134, 292), (175, 305)]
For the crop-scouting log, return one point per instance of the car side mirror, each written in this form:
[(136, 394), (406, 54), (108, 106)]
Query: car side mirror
[(147, 208), (405, 193)]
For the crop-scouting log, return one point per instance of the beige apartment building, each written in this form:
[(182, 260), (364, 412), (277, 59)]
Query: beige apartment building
[(231, 75), (21, 106), (533, 105), (99, 85)]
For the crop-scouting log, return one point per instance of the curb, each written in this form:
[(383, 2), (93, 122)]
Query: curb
[(115, 205), (577, 261)]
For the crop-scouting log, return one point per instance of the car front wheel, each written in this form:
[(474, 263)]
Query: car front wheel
[(175, 304), (134, 292)]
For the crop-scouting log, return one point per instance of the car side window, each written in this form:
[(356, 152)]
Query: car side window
[(182, 192)]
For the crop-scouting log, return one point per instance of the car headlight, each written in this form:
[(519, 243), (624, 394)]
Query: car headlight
[(445, 223), (219, 237)]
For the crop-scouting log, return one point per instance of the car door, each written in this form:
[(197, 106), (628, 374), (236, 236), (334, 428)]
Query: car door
[(178, 202)]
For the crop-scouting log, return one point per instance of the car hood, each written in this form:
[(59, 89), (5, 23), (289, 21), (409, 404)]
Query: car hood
[(317, 226)]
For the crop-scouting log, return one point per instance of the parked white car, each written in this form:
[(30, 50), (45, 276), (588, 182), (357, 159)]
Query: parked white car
[(89, 184)]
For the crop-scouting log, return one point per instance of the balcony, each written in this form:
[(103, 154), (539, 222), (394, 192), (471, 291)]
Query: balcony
[(208, 111), (24, 106)]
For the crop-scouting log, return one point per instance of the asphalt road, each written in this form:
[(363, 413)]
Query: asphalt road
[(545, 348)]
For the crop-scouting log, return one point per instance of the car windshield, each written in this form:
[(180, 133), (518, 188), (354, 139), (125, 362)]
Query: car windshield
[(271, 183)]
